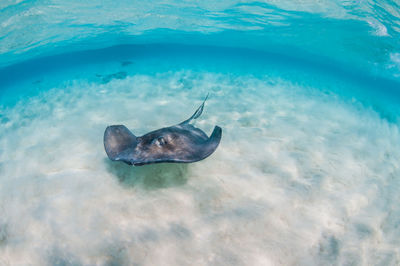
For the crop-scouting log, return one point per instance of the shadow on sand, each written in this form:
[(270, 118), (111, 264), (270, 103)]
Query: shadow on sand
[(153, 176)]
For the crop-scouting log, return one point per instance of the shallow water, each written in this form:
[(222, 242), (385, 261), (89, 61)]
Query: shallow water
[(306, 173)]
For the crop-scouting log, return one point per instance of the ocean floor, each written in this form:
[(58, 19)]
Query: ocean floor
[(301, 177)]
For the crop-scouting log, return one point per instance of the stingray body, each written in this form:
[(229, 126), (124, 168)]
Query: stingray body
[(181, 143)]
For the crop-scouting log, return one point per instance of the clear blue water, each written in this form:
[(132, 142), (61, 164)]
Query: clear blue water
[(307, 94)]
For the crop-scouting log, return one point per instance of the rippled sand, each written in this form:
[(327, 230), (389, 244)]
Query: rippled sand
[(300, 177)]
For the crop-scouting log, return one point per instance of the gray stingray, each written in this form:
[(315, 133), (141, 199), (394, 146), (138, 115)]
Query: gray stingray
[(181, 143)]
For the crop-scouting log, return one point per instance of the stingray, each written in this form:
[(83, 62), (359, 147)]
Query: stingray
[(181, 143)]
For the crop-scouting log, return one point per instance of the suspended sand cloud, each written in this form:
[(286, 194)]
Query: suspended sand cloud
[(300, 177)]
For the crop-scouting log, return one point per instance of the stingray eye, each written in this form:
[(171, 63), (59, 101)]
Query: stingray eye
[(160, 141)]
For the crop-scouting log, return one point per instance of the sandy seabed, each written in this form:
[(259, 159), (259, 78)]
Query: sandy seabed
[(301, 177)]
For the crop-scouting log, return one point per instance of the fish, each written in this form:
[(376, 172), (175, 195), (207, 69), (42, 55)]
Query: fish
[(180, 143)]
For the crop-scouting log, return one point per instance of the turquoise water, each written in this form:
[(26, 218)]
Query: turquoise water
[(306, 92)]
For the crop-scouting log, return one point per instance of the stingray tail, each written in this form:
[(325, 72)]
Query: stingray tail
[(198, 112)]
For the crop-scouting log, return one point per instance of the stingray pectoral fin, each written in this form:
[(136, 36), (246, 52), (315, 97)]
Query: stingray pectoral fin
[(118, 142), (213, 141)]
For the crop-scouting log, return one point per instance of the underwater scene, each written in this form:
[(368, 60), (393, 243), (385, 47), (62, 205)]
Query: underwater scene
[(306, 171)]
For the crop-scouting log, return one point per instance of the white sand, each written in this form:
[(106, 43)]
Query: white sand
[(300, 177)]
